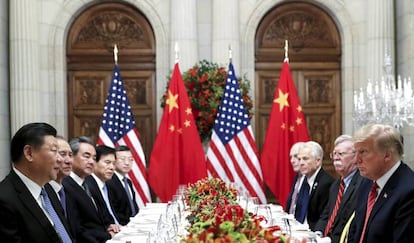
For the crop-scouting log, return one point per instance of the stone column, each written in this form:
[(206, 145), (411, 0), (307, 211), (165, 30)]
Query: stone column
[(4, 91), (24, 63), (226, 32), (380, 28), (184, 32)]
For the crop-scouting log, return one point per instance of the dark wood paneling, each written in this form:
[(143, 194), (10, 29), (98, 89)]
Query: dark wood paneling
[(90, 64)]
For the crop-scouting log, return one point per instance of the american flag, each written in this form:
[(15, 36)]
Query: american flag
[(232, 155), (118, 128)]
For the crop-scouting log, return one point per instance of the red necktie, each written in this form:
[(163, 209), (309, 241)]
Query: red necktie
[(335, 210), (371, 201)]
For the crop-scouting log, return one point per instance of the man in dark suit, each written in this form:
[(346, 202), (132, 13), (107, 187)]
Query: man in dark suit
[(312, 198), (297, 181), (84, 216), (342, 201), (119, 186), (103, 169), (25, 211), (55, 189), (385, 210)]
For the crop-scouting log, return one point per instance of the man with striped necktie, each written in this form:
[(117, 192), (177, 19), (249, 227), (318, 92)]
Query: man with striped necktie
[(385, 209), (342, 201)]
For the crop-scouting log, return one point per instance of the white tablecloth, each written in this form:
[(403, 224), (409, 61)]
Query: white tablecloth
[(144, 226)]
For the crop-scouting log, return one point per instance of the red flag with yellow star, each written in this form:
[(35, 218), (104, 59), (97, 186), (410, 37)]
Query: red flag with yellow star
[(177, 157), (286, 126)]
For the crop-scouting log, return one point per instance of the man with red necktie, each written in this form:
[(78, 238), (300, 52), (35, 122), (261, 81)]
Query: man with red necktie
[(385, 212), (342, 201)]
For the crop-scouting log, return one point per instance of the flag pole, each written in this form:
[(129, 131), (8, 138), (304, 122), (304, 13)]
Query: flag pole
[(116, 54), (286, 51), (230, 53), (176, 52)]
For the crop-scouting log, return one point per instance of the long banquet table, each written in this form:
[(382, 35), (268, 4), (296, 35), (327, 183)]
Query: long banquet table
[(158, 222)]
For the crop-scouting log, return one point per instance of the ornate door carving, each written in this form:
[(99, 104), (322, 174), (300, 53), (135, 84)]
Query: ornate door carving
[(315, 61), (90, 64)]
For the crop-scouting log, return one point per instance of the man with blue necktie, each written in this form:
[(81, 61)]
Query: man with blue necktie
[(103, 169), (26, 214), (313, 195), (54, 188), (122, 194)]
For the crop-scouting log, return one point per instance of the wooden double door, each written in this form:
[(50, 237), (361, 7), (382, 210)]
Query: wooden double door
[(90, 66), (314, 53)]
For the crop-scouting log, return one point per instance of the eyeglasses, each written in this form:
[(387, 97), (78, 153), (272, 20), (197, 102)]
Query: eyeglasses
[(340, 154)]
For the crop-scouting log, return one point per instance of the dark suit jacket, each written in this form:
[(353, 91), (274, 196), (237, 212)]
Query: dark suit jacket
[(345, 210), (392, 217), (99, 200), (59, 209), (119, 200), (21, 218), (318, 197), (292, 189), (82, 214)]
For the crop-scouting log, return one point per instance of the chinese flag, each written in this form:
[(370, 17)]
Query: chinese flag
[(286, 126), (177, 157)]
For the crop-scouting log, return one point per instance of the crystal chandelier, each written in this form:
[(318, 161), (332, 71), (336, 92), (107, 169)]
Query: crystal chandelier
[(385, 101)]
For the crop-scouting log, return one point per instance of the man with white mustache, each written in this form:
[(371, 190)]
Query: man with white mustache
[(336, 214)]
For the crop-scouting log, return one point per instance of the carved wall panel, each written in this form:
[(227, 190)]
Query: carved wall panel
[(321, 126), (90, 64), (88, 88), (314, 60), (87, 124)]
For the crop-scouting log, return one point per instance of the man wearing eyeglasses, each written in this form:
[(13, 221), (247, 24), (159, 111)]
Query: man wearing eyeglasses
[(342, 201), (120, 188)]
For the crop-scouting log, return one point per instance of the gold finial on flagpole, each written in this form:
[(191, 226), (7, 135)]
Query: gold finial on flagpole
[(176, 52), (116, 54), (286, 50), (230, 53)]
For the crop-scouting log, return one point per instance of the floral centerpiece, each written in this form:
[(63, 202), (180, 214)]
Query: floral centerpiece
[(205, 87), (215, 216)]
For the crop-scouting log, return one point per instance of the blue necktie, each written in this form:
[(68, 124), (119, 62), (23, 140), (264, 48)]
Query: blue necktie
[(131, 202), (60, 229), (302, 201), (63, 199), (108, 204)]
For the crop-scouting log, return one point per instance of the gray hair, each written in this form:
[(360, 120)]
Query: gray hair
[(343, 138), (316, 149), (75, 143)]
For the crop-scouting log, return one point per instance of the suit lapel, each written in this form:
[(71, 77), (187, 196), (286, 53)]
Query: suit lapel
[(351, 188), (31, 204), (314, 187), (386, 193)]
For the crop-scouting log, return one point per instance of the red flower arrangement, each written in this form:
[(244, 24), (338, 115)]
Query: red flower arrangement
[(205, 87), (216, 217)]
